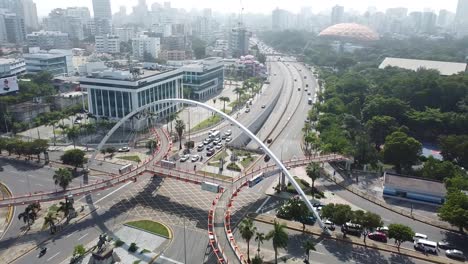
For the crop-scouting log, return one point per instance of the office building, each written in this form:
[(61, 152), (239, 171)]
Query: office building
[(15, 30), (115, 94), (58, 20), (429, 21), (281, 19), (125, 33), (337, 15), (102, 9), (102, 26), (144, 45), (204, 78), (47, 40), (461, 18), (173, 55), (445, 18), (239, 39), (57, 62), (11, 67), (31, 20), (107, 44), (80, 12)]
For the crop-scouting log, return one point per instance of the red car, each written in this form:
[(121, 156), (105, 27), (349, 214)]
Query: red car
[(378, 236)]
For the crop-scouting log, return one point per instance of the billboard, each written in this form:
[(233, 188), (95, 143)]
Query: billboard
[(8, 84)]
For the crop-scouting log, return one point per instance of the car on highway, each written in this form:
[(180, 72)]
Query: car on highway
[(419, 236), (309, 93), (263, 106), (455, 253), (223, 137), (210, 152), (299, 89), (228, 132), (206, 142), (305, 89), (219, 146), (295, 80), (378, 236), (200, 147), (445, 245), (269, 140), (124, 149), (195, 158), (307, 85), (184, 158), (228, 139), (247, 110), (425, 246)]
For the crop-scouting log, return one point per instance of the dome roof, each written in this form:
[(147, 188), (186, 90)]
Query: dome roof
[(351, 31)]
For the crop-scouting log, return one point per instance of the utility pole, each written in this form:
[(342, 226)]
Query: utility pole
[(185, 245)]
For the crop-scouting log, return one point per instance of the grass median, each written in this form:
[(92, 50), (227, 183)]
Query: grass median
[(150, 226), (209, 122)]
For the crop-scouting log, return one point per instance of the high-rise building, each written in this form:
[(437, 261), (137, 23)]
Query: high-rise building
[(239, 39), (279, 19), (30, 14), (429, 21), (80, 12), (445, 18), (102, 9), (107, 44), (58, 20), (337, 15), (47, 40), (14, 28), (143, 45), (125, 33), (398, 13), (462, 12)]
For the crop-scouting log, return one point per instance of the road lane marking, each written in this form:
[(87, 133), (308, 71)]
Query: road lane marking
[(315, 252), (171, 260), (53, 256), (114, 191), (83, 236), (71, 234), (263, 204)]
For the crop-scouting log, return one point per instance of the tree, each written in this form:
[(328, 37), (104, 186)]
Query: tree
[(63, 178), (400, 233), (73, 134), (259, 237), (381, 106), (279, 238), (401, 150), (257, 260), (29, 215), (380, 127), (49, 220), (180, 127), (79, 250), (224, 99), (363, 152), (455, 148), (313, 171), (74, 157), (438, 170), (171, 117), (38, 146), (111, 151), (308, 246), (151, 145), (239, 91), (455, 209), (261, 58), (337, 213), (199, 48), (247, 231)]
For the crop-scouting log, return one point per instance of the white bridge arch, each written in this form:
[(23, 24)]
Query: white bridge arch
[(225, 116)]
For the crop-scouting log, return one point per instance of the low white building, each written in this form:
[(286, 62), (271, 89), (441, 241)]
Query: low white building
[(444, 67), (144, 44), (48, 40), (125, 33), (108, 44), (57, 62), (11, 67)]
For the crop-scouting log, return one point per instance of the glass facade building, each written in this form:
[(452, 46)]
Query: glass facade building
[(115, 94), (204, 78)]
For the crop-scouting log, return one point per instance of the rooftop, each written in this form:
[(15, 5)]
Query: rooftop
[(445, 68), (350, 31), (414, 184)]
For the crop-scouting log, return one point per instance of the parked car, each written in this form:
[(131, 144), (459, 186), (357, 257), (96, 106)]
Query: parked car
[(330, 225), (184, 158), (309, 93), (209, 148), (419, 236), (124, 149), (195, 158), (455, 253), (247, 110), (378, 236), (223, 137), (445, 245), (383, 229)]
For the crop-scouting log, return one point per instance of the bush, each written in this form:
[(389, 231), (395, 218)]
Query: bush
[(79, 250), (233, 166), (119, 243), (133, 247)]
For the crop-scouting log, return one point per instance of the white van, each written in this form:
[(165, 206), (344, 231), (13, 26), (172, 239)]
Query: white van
[(425, 246)]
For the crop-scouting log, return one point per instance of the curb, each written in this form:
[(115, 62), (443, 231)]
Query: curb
[(51, 237), (373, 246)]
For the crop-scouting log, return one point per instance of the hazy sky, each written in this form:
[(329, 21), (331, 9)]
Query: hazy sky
[(260, 6)]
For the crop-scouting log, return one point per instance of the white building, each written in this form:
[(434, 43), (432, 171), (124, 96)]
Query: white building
[(115, 94), (48, 40), (57, 62), (204, 77), (107, 44), (125, 33), (10, 67), (144, 44)]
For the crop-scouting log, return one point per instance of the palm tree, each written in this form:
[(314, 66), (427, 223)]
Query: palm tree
[(171, 117), (279, 238), (63, 178), (180, 127), (65, 207), (308, 246), (151, 145), (313, 171), (259, 237), (224, 99), (247, 231), (52, 123), (29, 215), (239, 91), (50, 219)]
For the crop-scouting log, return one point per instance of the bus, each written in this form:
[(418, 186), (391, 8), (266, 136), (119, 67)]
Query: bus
[(310, 100), (215, 134), (255, 180), (125, 168)]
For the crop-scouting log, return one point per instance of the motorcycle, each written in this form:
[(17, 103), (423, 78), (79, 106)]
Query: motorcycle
[(42, 252)]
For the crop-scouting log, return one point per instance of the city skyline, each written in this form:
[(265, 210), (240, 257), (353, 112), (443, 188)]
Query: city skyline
[(265, 7)]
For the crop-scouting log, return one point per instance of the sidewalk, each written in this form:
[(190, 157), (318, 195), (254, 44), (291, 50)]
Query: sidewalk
[(336, 235)]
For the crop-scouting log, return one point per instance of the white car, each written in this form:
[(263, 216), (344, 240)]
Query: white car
[(206, 142), (247, 110), (124, 149), (228, 139), (184, 158), (219, 146), (383, 229), (419, 236), (228, 133), (195, 158)]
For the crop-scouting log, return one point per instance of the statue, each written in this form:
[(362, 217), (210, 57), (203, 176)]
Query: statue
[(101, 244)]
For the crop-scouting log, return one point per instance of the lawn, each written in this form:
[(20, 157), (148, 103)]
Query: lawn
[(301, 184), (214, 163), (150, 226), (220, 155), (211, 121), (239, 152), (247, 161), (130, 158)]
